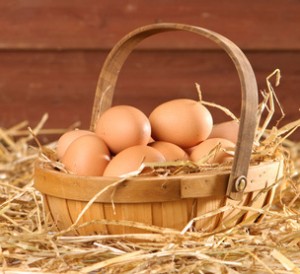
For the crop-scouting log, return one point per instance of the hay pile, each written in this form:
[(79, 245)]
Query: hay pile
[(29, 244)]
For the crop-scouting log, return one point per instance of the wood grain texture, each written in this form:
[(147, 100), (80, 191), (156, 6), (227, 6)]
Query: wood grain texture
[(95, 212), (60, 213), (92, 24), (167, 212), (206, 205), (144, 189), (63, 83)]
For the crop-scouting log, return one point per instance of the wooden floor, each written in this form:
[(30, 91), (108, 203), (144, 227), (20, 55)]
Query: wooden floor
[(51, 53)]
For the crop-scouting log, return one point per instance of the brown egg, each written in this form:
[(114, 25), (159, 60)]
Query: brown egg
[(189, 150), (170, 151), (88, 155), (122, 127), (130, 159), (227, 130), (67, 138), (183, 122), (151, 140), (203, 149)]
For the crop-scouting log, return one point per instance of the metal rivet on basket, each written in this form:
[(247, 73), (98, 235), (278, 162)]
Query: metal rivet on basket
[(240, 183)]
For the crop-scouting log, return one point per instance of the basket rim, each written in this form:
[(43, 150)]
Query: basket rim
[(150, 189)]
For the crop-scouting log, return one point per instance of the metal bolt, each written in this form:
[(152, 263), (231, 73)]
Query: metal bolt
[(240, 183)]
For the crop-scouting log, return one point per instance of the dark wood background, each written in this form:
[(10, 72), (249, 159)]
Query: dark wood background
[(51, 53)]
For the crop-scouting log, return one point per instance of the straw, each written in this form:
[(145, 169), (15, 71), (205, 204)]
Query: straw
[(29, 242)]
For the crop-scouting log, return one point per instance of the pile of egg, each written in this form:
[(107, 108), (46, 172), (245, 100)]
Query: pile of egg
[(124, 138)]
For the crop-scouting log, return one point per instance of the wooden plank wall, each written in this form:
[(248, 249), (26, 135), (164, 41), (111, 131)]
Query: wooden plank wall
[(51, 53)]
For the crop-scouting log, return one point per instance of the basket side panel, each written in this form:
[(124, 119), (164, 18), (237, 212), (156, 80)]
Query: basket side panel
[(140, 213), (234, 216), (270, 196), (174, 214), (261, 193), (268, 201), (157, 218), (259, 200), (206, 205), (93, 213), (60, 212), (48, 212)]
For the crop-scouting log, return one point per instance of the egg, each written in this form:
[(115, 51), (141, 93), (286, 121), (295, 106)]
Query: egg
[(67, 138), (88, 155), (183, 122), (227, 130), (131, 159), (170, 151), (122, 127), (203, 149)]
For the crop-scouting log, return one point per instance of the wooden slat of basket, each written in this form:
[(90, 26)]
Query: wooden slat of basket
[(205, 205), (157, 218), (141, 213), (174, 214), (253, 200), (259, 200), (49, 212), (95, 212), (234, 216), (60, 212)]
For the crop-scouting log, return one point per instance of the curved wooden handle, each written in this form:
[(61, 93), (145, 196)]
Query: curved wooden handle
[(116, 58)]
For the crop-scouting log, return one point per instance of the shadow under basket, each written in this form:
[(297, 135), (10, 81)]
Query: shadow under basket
[(168, 202)]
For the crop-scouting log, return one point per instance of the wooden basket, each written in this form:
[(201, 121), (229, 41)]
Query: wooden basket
[(169, 202)]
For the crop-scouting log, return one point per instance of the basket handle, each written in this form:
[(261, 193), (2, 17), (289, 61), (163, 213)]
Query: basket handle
[(118, 55)]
